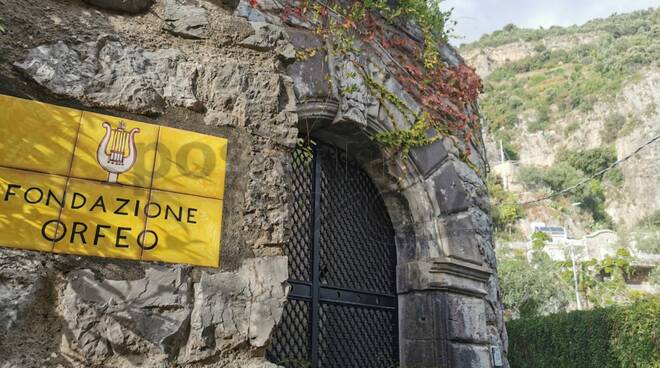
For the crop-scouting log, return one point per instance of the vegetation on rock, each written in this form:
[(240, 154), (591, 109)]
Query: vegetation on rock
[(548, 94), (445, 92), (572, 167), (552, 83), (646, 234), (505, 209)]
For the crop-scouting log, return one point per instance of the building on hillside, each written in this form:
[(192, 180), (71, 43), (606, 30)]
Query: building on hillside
[(507, 171), (597, 245), (557, 234)]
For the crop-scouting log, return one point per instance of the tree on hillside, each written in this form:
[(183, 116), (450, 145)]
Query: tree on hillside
[(505, 208), (603, 282)]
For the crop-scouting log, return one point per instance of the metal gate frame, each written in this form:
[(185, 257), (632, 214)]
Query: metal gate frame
[(320, 296)]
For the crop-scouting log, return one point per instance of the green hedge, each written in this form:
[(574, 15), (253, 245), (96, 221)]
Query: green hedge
[(627, 337)]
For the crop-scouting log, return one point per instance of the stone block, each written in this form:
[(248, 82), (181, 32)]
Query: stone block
[(391, 118), (233, 308), (311, 73), (419, 353), (458, 238), (265, 37), (449, 55), (148, 315), (24, 278), (355, 98), (449, 191), (469, 356), (267, 11), (427, 158), (443, 273), (126, 6), (467, 318), (474, 185), (111, 73), (416, 318), (227, 4), (185, 20)]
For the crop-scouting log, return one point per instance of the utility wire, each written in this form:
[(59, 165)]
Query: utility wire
[(599, 173)]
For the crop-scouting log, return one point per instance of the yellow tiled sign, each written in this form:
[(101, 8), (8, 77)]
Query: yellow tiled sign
[(77, 182)]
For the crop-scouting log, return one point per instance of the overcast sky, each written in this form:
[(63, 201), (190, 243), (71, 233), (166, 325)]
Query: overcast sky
[(476, 17)]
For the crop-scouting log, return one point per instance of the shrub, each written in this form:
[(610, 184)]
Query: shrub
[(562, 175), (538, 240), (568, 171), (647, 234), (539, 48), (647, 241), (614, 176), (532, 288), (541, 122), (510, 150), (537, 125), (569, 80), (599, 338), (654, 276), (636, 340), (613, 124), (562, 340), (505, 209), (592, 198), (589, 161), (531, 176), (571, 128)]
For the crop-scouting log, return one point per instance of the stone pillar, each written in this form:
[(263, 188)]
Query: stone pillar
[(442, 315), (450, 314)]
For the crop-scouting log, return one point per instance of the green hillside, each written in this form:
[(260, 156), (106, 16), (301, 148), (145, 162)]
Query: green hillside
[(553, 90), (553, 83), (567, 103), (616, 25)]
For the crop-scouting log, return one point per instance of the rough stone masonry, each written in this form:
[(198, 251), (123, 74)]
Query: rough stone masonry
[(229, 68)]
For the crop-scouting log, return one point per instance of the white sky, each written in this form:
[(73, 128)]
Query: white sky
[(477, 17)]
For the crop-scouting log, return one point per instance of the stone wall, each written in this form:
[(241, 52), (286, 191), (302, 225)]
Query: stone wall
[(226, 68)]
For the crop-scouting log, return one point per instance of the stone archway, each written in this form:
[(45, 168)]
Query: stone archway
[(443, 276)]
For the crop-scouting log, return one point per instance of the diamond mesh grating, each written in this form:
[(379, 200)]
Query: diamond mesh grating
[(298, 249), (356, 251), (290, 344), (357, 239), (357, 337)]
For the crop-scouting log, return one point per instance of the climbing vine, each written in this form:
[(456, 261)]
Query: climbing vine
[(446, 93)]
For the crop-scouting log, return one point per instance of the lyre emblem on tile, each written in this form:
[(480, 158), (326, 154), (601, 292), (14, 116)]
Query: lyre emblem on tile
[(117, 152)]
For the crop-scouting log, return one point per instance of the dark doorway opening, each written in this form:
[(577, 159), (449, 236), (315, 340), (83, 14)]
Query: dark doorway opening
[(342, 308)]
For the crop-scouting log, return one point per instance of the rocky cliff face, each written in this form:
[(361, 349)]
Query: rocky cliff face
[(639, 196), (488, 58), (546, 96)]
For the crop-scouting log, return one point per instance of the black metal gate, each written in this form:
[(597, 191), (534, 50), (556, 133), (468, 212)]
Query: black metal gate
[(342, 309)]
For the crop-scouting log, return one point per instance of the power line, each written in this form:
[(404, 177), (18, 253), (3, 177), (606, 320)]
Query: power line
[(599, 173)]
